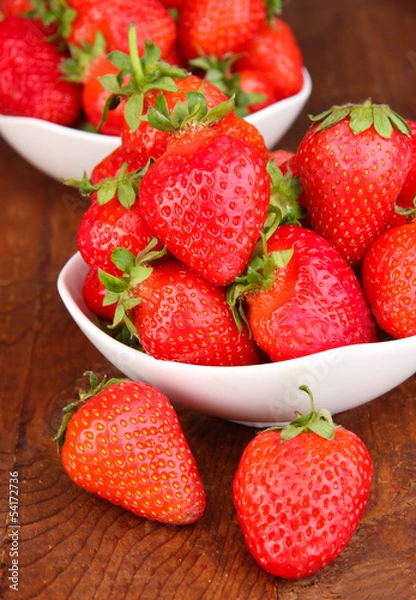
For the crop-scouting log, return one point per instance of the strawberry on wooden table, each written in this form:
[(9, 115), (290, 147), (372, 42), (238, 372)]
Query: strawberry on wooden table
[(300, 296), (123, 442), (389, 280), (300, 493), (31, 83), (352, 165)]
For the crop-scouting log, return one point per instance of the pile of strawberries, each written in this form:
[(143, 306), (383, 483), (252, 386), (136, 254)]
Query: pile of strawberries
[(56, 55), (205, 248)]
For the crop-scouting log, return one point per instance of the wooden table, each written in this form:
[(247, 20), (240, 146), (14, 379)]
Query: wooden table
[(72, 545)]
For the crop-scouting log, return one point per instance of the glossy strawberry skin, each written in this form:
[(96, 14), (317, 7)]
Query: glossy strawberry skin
[(299, 503), (106, 227), (126, 445), (350, 183), (216, 28), (407, 196), (182, 317), (31, 82), (389, 280), (207, 199), (275, 53), (110, 165), (315, 303)]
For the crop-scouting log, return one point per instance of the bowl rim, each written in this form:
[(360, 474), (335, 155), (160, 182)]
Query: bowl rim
[(76, 264), (110, 140)]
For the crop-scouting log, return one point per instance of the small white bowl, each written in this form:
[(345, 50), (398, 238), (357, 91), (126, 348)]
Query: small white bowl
[(65, 152), (259, 395)]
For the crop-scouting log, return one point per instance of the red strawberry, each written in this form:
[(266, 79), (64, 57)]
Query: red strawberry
[(389, 280), (215, 28), (113, 18), (123, 442), (110, 165), (113, 221), (86, 66), (207, 196), (93, 293), (275, 53), (300, 493), (176, 314), (308, 301), (352, 165), (31, 83)]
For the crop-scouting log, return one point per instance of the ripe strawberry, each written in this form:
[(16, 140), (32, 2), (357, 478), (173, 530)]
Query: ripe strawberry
[(207, 196), (86, 65), (175, 313), (113, 18), (389, 280), (109, 167), (300, 493), (93, 293), (123, 442), (302, 297), (215, 28), (113, 221), (275, 53), (352, 165), (31, 83)]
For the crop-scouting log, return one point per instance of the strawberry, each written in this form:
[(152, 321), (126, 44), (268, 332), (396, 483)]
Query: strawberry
[(123, 442), (275, 53), (216, 28), (85, 66), (389, 280), (31, 83), (109, 167), (113, 220), (302, 297), (206, 198), (300, 493), (175, 313), (93, 293), (352, 165), (113, 18)]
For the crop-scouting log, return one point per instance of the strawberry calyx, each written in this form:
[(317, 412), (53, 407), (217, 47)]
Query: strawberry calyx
[(96, 386), (409, 212), (218, 71), (194, 111), (125, 185), (273, 8), (136, 77), (56, 13), (284, 209), (319, 422), (259, 275), (362, 117), (76, 67), (135, 270)]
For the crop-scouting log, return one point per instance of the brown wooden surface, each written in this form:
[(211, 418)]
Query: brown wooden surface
[(75, 546)]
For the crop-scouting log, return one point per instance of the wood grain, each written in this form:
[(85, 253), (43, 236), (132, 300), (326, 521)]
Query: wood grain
[(75, 546)]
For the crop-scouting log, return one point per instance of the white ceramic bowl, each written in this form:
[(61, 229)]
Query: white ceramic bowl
[(64, 152), (259, 395)]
